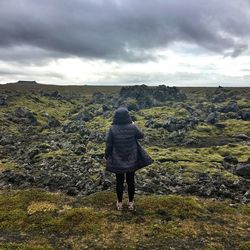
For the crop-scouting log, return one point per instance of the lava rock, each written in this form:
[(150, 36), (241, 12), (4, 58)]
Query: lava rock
[(152, 124), (53, 122), (220, 125), (5, 140), (72, 191), (192, 142), (33, 152), (243, 170), (84, 116), (106, 184), (211, 118), (244, 114), (151, 96), (105, 108), (241, 136), (53, 94), (23, 115), (230, 159), (3, 99), (230, 107), (80, 150), (98, 96), (219, 97)]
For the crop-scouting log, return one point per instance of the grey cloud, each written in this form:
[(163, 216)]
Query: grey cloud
[(120, 30)]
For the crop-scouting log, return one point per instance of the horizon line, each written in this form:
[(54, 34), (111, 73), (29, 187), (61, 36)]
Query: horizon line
[(123, 85)]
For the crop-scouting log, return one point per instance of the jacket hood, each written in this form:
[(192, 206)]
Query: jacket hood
[(122, 116)]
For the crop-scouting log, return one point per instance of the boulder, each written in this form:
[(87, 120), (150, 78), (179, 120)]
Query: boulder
[(211, 118), (230, 159), (243, 170), (105, 108), (106, 184), (80, 150), (53, 94), (33, 152), (192, 142), (244, 114), (152, 124), (23, 115), (84, 116), (148, 96), (242, 136), (230, 107), (221, 97), (231, 115), (53, 122), (6, 140), (98, 97), (72, 191), (3, 99), (74, 127), (220, 125)]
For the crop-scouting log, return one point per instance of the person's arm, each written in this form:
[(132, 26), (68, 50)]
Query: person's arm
[(109, 144), (138, 133)]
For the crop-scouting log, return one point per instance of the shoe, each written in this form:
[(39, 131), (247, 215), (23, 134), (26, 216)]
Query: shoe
[(119, 205), (131, 205)]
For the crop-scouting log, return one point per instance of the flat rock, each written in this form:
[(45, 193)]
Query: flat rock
[(243, 170)]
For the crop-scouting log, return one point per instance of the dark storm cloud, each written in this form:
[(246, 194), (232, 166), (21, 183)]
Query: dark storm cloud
[(120, 30)]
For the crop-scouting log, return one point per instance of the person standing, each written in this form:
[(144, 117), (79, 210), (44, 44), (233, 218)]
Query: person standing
[(124, 155)]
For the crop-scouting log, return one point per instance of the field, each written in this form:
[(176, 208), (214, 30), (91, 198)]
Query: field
[(56, 194)]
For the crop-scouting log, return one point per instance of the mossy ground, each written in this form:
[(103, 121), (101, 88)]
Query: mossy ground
[(7, 164), (36, 219)]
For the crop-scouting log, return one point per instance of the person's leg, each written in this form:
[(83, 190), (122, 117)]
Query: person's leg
[(119, 186), (131, 185)]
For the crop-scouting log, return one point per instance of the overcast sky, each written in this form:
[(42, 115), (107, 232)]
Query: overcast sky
[(172, 42)]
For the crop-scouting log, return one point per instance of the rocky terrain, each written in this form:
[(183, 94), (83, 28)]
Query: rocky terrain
[(52, 138)]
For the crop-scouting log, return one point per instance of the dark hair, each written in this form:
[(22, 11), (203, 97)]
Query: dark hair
[(121, 116)]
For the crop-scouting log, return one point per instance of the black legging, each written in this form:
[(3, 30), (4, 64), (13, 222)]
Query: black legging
[(120, 187)]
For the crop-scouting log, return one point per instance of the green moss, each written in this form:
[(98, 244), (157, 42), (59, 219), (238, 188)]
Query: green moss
[(184, 154), (56, 153), (244, 245), (214, 246), (82, 220), (232, 127), (92, 221), (12, 220), (99, 123), (241, 152), (165, 112), (245, 209), (98, 199), (7, 164), (54, 107), (94, 149), (243, 103), (220, 208), (210, 154), (203, 130), (189, 170), (10, 200), (25, 246), (8, 126), (174, 204)]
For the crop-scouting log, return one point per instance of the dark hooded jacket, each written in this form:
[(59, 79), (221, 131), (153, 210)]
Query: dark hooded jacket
[(123, 152)]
